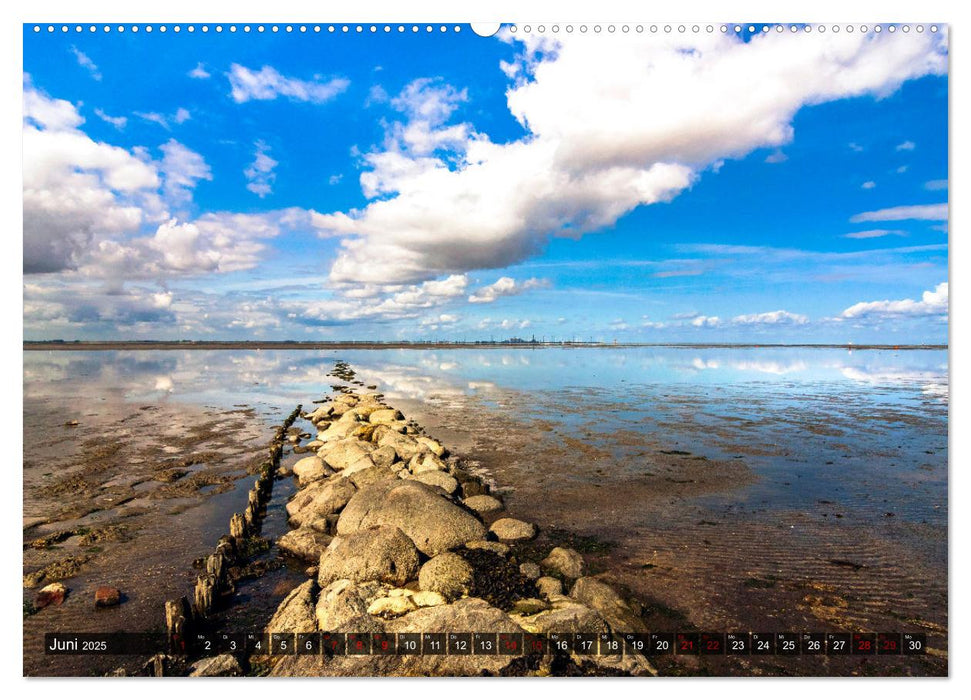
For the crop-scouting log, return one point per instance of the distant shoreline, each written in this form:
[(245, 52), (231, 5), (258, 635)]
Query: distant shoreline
[(34, 345)]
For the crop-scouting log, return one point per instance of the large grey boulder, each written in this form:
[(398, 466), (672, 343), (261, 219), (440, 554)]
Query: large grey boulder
[(434, 523), (448, 574), (566, 617), (344, 600), (346, 453), (216, 666), (296, 612), (466, 614), (381, 553), (371, 474)]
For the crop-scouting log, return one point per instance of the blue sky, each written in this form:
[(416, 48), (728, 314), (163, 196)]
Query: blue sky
[(677, 188)]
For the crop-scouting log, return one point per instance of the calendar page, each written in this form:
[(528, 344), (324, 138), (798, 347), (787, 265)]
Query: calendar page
[(443, 349)]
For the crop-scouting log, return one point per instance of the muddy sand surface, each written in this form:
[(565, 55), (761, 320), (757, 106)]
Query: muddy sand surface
[(681, 533), (131, 494), (124, 495)]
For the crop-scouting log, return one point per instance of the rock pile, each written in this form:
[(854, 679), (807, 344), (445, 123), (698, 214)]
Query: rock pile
[(407, 540)]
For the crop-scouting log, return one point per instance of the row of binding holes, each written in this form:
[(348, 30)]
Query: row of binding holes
[(724, 28), (289, 28), (526, 29)]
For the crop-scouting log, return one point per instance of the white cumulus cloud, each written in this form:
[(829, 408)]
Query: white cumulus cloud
[(771, 318), (932, 303), (611, 125)]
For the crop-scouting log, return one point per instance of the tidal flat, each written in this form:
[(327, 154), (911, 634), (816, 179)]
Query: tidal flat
[(775, 489)]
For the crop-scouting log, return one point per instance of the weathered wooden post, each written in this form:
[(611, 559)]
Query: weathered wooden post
[(205, 595), (237, 528), (178, 620)]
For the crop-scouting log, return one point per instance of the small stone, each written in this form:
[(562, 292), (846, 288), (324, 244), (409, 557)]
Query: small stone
[(428, 599), (433, 445), (51, 594), (530, 570), (439, 479), (106, 597), (473, 488), (529, 606), (549, 586), (310, 469), (389, 607), (512, 530), (484, 505), (426, 462), (448, 574), (497, 547), (565, 562)]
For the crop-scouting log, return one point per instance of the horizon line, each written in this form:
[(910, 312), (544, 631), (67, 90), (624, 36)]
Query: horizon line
[(58, 344)]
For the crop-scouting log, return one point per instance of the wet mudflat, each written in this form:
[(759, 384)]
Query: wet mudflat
[(801, 490)]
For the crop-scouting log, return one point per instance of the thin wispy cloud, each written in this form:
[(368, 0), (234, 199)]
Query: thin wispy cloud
[(267, 84), (874, 233), (199, 72), (260, 172), (85, 62), (180, 116), (504, 287), (117, 122), (928, 212)]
